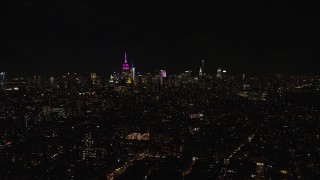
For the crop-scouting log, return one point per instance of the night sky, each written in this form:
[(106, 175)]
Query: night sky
[(85, 36)]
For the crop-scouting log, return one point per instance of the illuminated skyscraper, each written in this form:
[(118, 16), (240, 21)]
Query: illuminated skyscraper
[(51, 81), (3, 76), (163, 74), (202, 67), (219, 73), (93, 77), (125, 65), (133, 74), (200, 72), (111, 80)]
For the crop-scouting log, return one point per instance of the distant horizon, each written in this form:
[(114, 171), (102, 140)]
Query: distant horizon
[(101, 73)]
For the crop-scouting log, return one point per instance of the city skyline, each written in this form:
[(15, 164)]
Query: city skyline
[(126, 68), (159, 90)]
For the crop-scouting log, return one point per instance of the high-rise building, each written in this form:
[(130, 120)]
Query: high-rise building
[(125, 65), (114, 78), (202, 67), (219, 73), (3, 80), (133, 73), (51, 79), (200, 72), (111, 79), (163, 73), (93, 77), (186, 77)]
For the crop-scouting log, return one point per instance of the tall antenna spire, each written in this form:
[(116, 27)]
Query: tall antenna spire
[(202, 67), (125, 57)]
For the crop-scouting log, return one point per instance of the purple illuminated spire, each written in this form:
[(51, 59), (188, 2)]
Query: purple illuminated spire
[(125, 65), (125, 57)]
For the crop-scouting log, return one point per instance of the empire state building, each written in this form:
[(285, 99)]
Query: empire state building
[(125, 65)]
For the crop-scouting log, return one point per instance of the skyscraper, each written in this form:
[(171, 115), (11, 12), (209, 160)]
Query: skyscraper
[(51, 79), (202, 67), (3, 81), (200, 72), (133, 73), (219, 73), (125, 65), (93, 77), (163, 74)]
